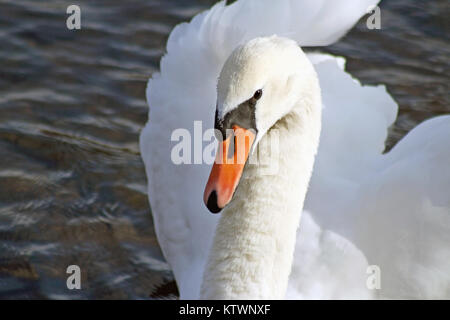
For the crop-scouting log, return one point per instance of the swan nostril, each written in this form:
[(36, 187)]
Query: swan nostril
[(212, 203), (232, 147)]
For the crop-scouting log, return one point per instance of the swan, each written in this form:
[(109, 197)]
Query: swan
[(363, 211)]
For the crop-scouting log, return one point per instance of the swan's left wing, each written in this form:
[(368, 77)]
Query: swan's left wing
[(355, 119), (364, 208)]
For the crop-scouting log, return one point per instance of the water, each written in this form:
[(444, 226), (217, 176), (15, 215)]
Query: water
[(72, 104)]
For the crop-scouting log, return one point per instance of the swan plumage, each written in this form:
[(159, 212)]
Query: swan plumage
[(363, 207)]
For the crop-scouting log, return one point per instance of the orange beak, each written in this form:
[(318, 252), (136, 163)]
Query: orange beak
[(227, 169)]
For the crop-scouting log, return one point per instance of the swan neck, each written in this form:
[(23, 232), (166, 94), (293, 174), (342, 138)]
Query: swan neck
[(253, 247)]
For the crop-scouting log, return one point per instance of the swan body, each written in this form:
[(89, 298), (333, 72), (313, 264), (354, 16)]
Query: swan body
[(362, 209)]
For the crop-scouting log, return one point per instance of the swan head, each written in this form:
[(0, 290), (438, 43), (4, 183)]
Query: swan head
[(260, 82)]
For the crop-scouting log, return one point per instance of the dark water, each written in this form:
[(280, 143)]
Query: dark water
[(72, 103)]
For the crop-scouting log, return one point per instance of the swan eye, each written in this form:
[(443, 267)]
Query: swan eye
[(258, 94)]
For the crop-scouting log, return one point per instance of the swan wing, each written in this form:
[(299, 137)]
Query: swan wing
[(391, 211), (402, 210), (328, 263)]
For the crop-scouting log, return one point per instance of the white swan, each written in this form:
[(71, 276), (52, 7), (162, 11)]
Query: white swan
[(362, 208)]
